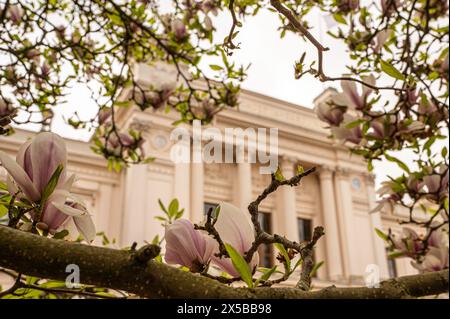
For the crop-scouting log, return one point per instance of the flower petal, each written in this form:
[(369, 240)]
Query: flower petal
[(47, 150), (20, 177), (69, 211), (23, 158), (349, 88), (85, 226), (235, 227)]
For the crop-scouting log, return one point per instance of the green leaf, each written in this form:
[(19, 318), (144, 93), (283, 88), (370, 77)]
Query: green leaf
[(266, 275), (339, 18), (51, 185), (395, 254), (60, 235), (402, 165), (284, 253), (163, 208), (444, 152), (240, 265), (390, 70), (381, 234), (173, 207), (316, 268), (354, 124), (278, 175), (179, 214), (215, 67), (430, 142), (3, 210)]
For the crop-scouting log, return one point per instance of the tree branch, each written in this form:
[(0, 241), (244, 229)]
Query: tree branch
[(320, 49), (116, 269)]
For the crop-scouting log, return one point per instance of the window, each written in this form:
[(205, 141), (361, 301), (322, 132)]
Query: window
[(265, 251), (304, 229), (392, 267)]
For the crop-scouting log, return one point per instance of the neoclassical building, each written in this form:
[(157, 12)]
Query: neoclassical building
[(338, 196)]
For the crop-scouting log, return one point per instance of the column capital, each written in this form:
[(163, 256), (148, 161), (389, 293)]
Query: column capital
[(326, 171), (286, 165), (370, 178), (287, 160), (342, 172), (141, 125)]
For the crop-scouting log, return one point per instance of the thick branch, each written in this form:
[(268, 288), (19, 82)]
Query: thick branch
[(117, 269)]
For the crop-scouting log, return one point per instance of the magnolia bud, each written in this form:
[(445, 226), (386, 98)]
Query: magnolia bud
[(348, 5), (208, 24), (179, 29), (15, 14), (6, 109)]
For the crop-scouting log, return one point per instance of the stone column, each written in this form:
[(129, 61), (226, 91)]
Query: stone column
[(286, 205), (182, 185), (332, 237), (375, 220), (135, 206), (345, 211), (197, 192), (244, 185), (182, 173)]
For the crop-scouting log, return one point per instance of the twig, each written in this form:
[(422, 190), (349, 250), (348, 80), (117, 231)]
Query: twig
[(320, 49), (229, 41)]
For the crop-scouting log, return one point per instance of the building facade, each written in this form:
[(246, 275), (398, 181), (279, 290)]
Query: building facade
[(338, 196)]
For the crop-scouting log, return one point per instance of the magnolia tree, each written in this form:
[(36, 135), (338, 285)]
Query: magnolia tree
[(393, 99)]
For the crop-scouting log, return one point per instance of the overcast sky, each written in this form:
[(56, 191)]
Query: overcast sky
[(271, 72)]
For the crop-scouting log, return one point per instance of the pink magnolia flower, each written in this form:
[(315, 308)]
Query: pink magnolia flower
[(5, 108), (116, 143), (179, 29), (236, 229), (207, 23), (432, 182), (413, 184), (377, 129), (353, 135), (427, 108), (187, 246), (412, 96), (436, 259), (329, 113), (381, 39), (444, 65), (104, 115), (7, 111), (436, 184), (15, 13), (388, 6), (348, 5), (350, 91), (35, 164), (438, 238), (409, 243), (210, 6)]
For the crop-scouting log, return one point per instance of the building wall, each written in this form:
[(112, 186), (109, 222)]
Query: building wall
[(338, 196)]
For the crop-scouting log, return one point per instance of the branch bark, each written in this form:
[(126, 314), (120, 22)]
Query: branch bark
[(38, 256)]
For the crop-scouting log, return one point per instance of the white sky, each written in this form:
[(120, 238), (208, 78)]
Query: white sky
[(271, 73)]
